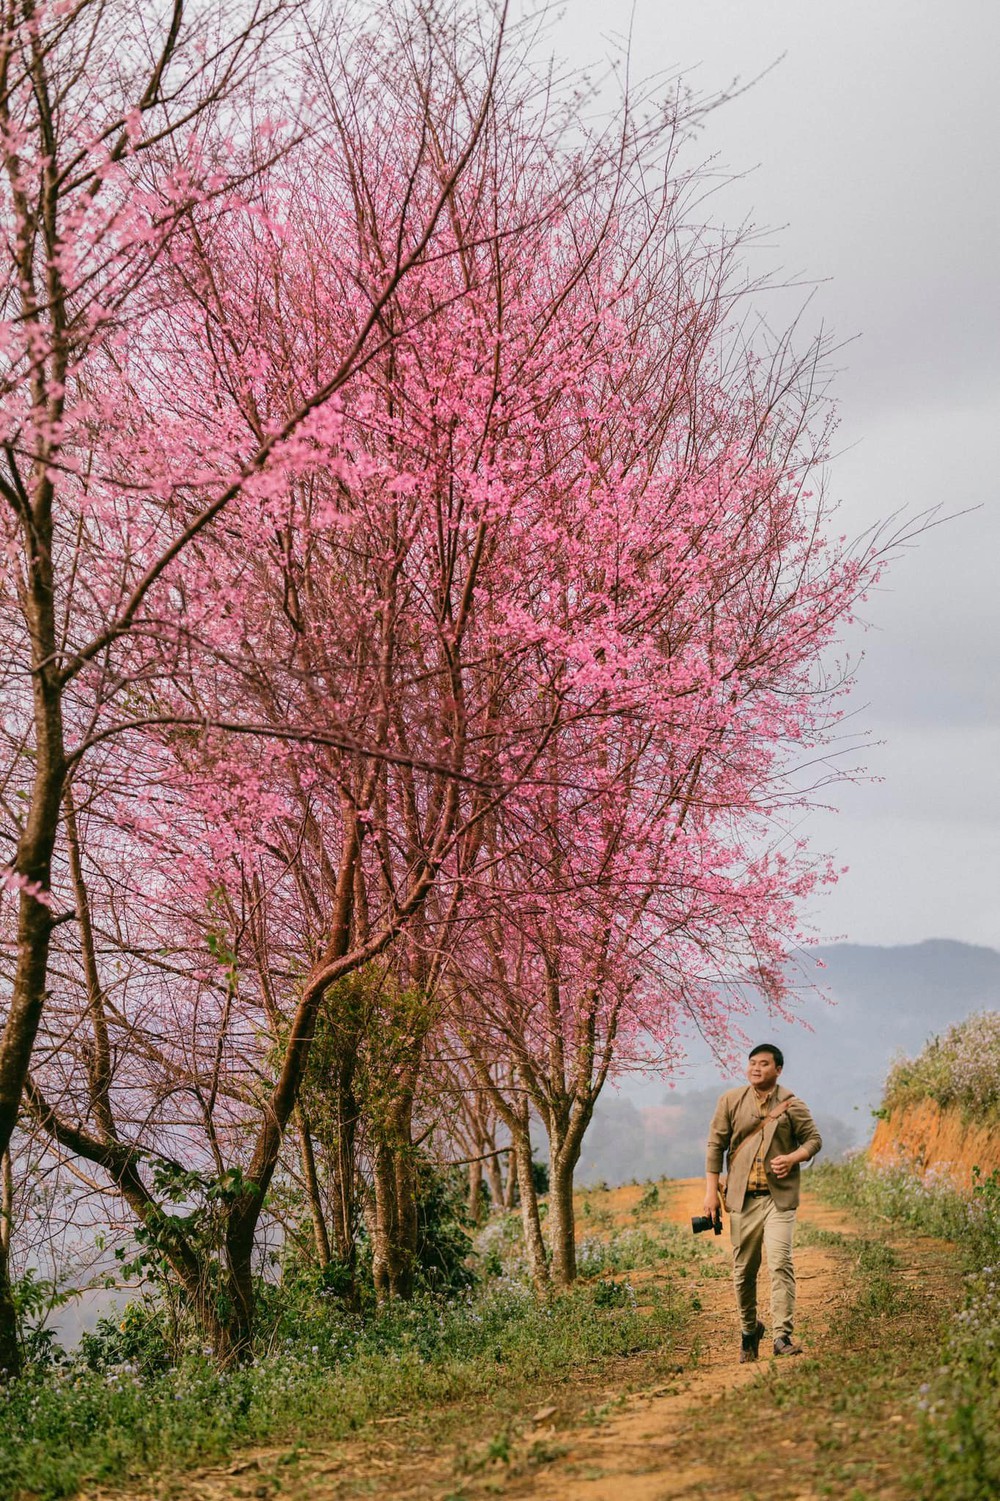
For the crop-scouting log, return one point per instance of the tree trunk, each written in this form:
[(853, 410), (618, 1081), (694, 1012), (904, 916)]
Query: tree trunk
[(394, 1240), (342, 1164), (562, 1223), (10, 1351), (384, 1224), (533, 1243), (405, 1260), (321, 1237), (33, 860), (34, 928), (510, 1189), (232, 1327), (566, 1133), (476, 1192), (495, 1180), (10, 1348)]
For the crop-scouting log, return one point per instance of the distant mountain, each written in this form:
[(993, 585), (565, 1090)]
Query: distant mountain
[(888, 1001)]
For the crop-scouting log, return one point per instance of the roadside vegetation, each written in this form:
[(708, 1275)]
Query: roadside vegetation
[(960, 1070), (959, 1395), (141, 1394), (960, 1403)]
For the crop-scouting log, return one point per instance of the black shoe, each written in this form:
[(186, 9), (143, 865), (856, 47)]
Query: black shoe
[(785, 1345), (750, 1345)]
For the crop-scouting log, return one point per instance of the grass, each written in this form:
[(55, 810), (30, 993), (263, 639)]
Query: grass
[(960, 1070), (895, 1196), (956, 1394), (497, 1346), (961, 1402)]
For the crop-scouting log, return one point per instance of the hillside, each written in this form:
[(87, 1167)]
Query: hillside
[(940, 1116), (887, 1001), (929, 1140)]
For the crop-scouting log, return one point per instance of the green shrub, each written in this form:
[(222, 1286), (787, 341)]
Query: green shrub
[(35, 1298), (139, 1338), (960, 1069), (499, 1247), (631, 1247), (444, 1243)]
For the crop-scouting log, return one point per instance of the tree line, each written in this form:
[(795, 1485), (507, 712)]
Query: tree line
[(417, 589)]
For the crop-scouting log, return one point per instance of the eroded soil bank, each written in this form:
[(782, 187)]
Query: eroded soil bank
[(927, 1139)]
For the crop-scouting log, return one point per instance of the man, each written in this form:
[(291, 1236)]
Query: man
[(767, 1133)]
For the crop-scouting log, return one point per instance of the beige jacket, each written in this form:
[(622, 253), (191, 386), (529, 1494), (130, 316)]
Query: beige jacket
[(737, 1117)]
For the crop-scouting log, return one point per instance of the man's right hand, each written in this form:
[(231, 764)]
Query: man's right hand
[(711, 1201)]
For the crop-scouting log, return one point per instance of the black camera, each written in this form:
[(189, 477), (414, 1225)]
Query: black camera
[(700, 1222)]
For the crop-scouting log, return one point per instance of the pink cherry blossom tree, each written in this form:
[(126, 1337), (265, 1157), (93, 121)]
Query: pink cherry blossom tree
[(365, 664), (648, 870), (455, 635), (127, 151)]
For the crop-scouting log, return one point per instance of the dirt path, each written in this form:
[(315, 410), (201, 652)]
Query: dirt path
[(632, 1457), (601, 1439), (811, 1427)]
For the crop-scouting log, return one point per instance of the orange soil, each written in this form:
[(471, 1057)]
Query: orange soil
[(925, 1138)]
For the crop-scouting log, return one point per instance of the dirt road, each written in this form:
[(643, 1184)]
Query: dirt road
[(836, 1423), (638, 1454)]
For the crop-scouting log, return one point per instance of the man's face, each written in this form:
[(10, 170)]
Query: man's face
[(762, 1071)]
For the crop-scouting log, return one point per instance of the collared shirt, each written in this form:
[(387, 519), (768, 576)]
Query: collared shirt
[(757, 1177)]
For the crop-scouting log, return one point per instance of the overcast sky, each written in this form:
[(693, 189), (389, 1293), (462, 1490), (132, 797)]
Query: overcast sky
[(872, 153)]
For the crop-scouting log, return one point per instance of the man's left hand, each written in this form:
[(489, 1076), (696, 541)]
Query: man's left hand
[(782, 1166)]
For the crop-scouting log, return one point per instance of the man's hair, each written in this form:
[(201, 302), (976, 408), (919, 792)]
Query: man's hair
[(773, 1049)]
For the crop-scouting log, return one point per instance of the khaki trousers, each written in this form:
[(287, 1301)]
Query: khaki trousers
[(760, 1226)]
